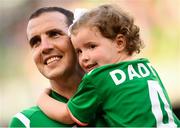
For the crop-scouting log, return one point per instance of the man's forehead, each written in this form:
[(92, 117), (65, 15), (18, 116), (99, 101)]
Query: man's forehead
[(53, 14), (50, 20)]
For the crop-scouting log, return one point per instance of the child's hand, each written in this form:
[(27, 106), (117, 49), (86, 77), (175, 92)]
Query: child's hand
[(49, 106)]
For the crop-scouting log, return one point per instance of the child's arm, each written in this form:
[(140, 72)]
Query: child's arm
[(54, 109)]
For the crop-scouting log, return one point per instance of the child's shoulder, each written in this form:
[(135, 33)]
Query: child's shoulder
[(103, 71), (100, 70), (109, 67)]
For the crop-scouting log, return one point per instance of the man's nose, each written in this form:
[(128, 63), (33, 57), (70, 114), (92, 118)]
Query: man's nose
[(46, 46)]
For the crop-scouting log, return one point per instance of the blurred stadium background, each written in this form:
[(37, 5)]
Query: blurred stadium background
[(21, 83)]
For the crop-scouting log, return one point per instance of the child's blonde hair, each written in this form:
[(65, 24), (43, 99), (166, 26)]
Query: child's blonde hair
[(111, 21)]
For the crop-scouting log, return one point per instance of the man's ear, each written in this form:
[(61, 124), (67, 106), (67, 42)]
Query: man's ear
[(120, 41)]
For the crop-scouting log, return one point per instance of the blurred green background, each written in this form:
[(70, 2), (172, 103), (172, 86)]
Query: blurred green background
[(21, 83)]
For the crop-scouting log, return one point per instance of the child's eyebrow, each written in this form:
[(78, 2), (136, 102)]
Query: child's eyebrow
[(89, 43)]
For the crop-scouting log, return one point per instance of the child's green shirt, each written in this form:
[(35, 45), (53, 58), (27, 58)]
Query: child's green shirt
[(126, 94)]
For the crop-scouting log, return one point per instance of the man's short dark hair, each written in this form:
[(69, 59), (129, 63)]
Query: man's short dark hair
[(69, 15)]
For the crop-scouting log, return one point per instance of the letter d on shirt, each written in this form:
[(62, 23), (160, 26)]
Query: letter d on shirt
[(115, 78)]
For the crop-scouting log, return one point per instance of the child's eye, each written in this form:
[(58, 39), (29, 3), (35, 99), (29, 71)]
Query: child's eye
[(92, 46), (78, 51)]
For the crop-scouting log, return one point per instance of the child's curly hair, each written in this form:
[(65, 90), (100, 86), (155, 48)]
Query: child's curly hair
[(111, 21)]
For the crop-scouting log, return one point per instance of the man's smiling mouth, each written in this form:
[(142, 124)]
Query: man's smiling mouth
[(52, 59)]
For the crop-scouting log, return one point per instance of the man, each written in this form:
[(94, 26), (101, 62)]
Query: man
[(54, 56)]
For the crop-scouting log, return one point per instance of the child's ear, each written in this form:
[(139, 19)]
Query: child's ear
[(120, 41)]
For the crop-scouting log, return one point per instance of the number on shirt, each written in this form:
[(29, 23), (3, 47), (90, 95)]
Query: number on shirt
[(155, 90)]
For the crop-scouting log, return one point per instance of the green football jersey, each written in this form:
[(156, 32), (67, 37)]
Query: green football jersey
[(34, 117), (127, 94)]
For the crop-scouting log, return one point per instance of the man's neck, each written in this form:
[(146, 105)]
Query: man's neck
[(66, 87)]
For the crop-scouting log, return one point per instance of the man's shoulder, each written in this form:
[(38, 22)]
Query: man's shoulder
[(22, 119), (31, 111), (34, 117)]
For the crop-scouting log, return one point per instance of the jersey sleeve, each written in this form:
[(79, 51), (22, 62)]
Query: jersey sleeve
[(20, 120), (15, 122), (83, 105)]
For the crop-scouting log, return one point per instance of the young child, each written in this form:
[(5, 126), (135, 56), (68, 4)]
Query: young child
[(125, 91)]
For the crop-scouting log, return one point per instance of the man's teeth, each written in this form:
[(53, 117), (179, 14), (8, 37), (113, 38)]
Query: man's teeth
[(52, 59)]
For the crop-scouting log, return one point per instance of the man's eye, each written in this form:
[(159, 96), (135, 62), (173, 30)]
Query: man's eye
[(53, 34), (34, 41)]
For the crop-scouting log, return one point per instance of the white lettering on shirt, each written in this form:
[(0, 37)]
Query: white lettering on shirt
[(141, 67), (143, 71), (132, 73), (114, 77)]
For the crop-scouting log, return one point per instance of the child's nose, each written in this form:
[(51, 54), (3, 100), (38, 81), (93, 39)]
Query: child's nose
[(85, 57)]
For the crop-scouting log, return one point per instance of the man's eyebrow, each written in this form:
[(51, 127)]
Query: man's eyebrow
[(30, 38), (55, 30)]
